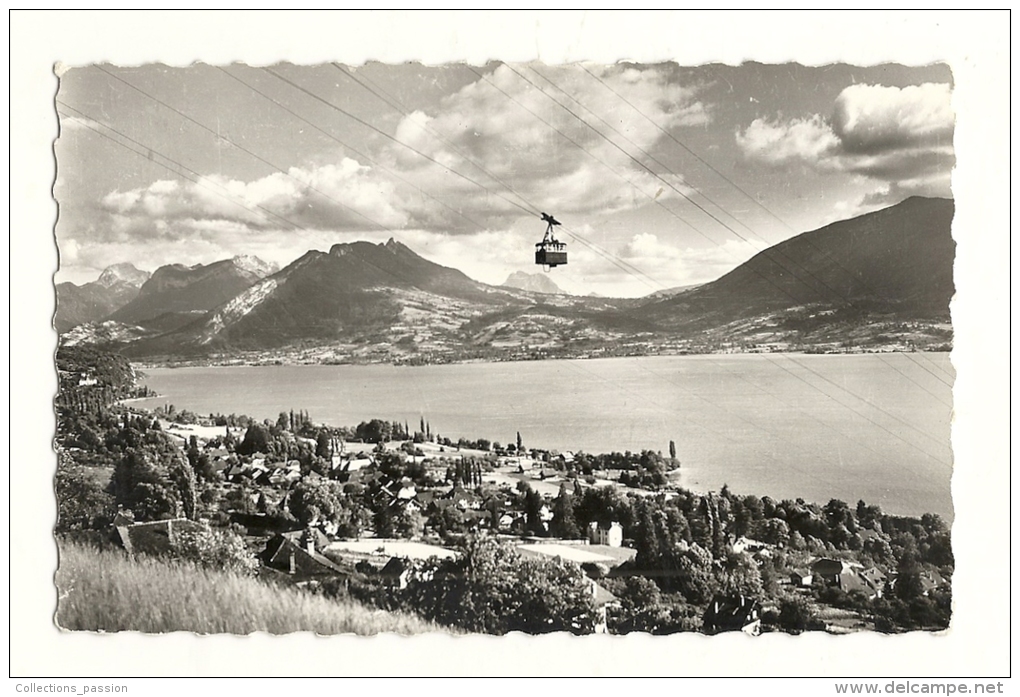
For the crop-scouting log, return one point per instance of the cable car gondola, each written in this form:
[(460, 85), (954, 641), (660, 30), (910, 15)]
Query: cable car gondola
[(550, 251)]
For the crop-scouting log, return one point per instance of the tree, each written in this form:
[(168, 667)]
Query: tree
[(645, 609), (215, 549), (909, 585), (489, 588), (256, 440), (694, 577), (154, 480), (741, 576), (318, 501), (324, 445), (773, 531), (533, 513), (82, 503), (383, 522), (184, 478), (409, 524), (563, 523), (796, 616), (374, 431), (672, 450)]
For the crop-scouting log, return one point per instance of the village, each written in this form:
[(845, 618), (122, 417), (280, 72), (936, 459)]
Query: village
[(360, 511)]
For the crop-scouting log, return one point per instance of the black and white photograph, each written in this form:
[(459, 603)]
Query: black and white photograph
[(506, 347)]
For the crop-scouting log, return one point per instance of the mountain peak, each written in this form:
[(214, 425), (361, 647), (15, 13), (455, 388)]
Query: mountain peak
[(534, 282), (254, 265), (122, 273)]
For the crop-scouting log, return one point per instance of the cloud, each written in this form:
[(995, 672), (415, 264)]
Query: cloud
[(871, 119), (811, 140), (342, 196), (646, 263), (491, 155), (900, 137), (510, 133)]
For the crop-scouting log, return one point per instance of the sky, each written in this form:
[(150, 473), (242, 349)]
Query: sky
[(661, 175)]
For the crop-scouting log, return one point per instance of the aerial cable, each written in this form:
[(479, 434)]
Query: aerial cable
[(777, 398), (617, 261), (799, 377), (351, 148), (851, 275), (188, 173), (694, 154), (197, 178), (393, 139), (393, 103), (243, 149), (660, 178)]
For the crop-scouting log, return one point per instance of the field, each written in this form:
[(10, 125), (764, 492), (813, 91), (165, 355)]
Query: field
[(393, 548), (107, 592)]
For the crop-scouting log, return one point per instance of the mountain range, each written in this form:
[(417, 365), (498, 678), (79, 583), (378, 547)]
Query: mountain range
[(91, 302), (878, 280), (175, 294)]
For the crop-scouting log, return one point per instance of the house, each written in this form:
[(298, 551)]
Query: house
[(396, 572), (830, 570), (358, 463), (849, 576), (929, 580), (285, 552), (152, 537), (851, 581), (746, 544), (507, 519), (404, 490), (732, 614), (464, 498), (603, 601), (610, 534), (801, 577), (875, 580)]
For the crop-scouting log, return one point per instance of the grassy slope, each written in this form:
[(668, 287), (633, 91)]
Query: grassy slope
[(105, 591)]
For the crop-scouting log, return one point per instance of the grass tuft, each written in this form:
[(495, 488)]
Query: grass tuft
[(106, 591)]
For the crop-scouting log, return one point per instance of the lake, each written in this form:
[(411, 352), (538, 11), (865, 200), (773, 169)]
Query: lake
[(873, 426)]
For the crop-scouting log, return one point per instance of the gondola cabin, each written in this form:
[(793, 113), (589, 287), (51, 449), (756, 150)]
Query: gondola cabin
[(550, 251)]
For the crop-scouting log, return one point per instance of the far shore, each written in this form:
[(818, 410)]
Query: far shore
[(263, 362)]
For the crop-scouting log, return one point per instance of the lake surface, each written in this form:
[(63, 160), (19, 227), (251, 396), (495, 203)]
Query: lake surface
[(873, 427)]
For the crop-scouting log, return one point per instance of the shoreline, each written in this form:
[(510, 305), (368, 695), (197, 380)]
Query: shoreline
[(280, 362), (365, 381)]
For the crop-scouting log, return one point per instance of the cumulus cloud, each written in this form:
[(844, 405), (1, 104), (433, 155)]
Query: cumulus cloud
[(871, 119), (527, 144), (338, 196), (499, 131), (899, 137), (810, 139)]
